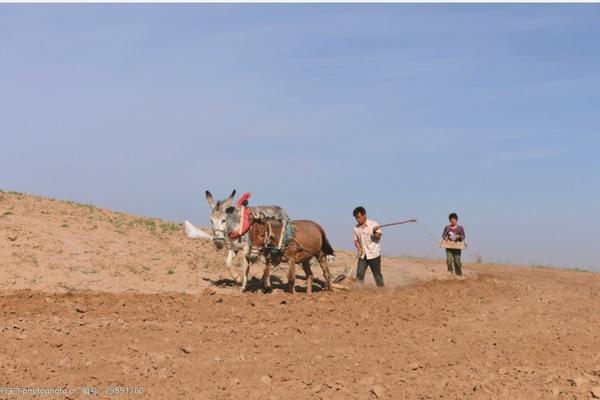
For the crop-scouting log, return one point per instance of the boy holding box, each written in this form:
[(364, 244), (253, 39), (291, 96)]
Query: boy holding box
[(454, 233)]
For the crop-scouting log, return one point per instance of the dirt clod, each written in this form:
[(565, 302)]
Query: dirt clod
[(378, 391)]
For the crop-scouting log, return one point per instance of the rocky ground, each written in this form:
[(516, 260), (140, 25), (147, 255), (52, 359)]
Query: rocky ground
[(95, 298)]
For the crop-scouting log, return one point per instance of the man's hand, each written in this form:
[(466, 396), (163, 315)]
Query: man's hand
[(376, 234)]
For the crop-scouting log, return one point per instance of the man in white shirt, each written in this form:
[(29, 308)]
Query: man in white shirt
[(366, 236)]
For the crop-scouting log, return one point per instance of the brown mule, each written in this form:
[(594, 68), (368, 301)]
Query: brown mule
[(307, 241)]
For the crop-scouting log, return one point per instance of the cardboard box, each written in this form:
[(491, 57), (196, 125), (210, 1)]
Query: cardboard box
[(446, 244)]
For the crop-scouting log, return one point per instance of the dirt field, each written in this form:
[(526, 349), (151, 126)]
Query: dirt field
[(90, 297)]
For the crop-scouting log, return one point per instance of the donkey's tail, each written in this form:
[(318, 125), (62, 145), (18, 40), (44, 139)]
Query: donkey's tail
[(326, 246)]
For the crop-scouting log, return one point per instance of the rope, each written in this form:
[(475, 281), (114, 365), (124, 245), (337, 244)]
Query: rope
[(434, 242), (427, 231)]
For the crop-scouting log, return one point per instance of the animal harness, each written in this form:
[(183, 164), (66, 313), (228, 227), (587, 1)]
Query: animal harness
[(245, 223)]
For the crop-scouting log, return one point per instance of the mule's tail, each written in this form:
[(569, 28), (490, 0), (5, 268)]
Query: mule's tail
[(326, 246)]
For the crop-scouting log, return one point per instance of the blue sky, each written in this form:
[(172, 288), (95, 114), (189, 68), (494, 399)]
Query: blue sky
[(410, 110)]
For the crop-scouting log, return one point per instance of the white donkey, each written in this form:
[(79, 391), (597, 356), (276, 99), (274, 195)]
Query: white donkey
[(224, 227)]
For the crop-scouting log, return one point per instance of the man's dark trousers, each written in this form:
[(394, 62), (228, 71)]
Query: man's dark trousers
[(375, 265)]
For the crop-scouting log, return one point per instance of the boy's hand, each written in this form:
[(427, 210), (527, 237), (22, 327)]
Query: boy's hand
[(375, 228)]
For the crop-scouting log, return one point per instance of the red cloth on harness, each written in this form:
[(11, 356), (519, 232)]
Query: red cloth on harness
[(243, 199), (244, 224)]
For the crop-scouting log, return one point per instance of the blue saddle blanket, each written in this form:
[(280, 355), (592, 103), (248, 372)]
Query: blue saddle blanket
[(288, 234)]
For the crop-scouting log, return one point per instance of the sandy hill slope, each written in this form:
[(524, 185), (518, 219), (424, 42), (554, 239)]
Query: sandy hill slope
[(53, 245), (96, 298), (56, 246)]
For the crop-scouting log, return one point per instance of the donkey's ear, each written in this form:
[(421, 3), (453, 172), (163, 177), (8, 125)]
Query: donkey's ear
[(230, 210), (261, 218), (210, 199), (229, 200)]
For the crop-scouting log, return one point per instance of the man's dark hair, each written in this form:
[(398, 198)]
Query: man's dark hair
[(359, 210), (453, 215)]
